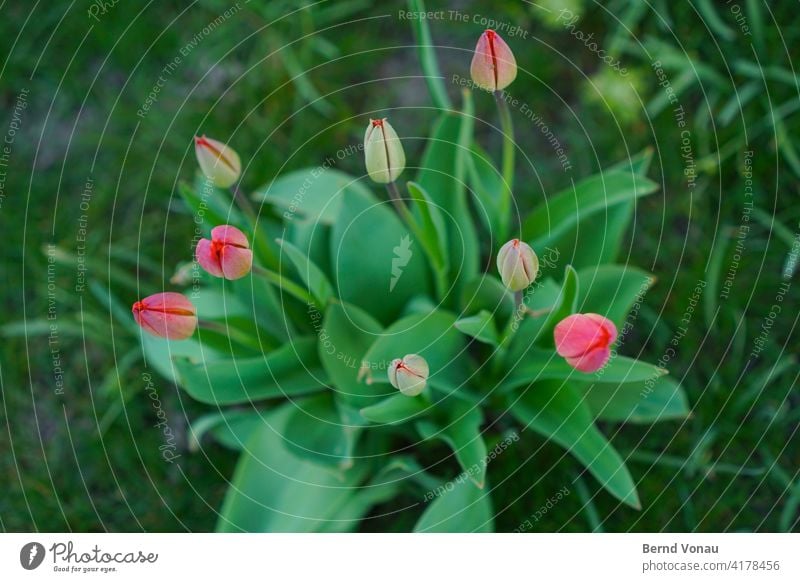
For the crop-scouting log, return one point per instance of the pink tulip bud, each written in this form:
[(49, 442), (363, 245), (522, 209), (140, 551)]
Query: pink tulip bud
[(584, 340), (493, 65), (167, 315), (227, 254), (518, 264), (409, 375), (219, 163)]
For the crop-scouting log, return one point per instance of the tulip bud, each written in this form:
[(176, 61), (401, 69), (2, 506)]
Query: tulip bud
[(167, 315), (227, 254), (584, 340), (493, 65), (409, 375), (518, 264), (219, 163), (383, 152)]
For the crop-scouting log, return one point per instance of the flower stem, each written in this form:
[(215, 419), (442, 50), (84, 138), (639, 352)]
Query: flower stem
[(243, 202), (249, 211), (518, 297), (509, 149), (394, 196), (440, 277), (520, 310)]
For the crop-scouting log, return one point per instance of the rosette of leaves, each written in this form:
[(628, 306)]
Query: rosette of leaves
[(298, 382)]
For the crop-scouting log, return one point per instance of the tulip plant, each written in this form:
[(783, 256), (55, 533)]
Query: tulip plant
[(339, 332)]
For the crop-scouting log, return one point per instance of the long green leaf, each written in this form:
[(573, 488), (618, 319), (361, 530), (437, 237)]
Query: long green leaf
[(555, 410), (655, 399), (565, 210), (289, 371), (612, 291), (427, 57), (315, 193), (462, 433), (396, 409), (461, 508), (376, 264), (316, 430), (274, 491), (315, 280), (348, 334), (442, 175), (480, 326), (536, 365)]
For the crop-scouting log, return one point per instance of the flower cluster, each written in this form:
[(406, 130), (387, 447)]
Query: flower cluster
[(584, 340)]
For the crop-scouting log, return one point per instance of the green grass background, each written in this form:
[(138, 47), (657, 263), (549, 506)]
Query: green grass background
[(732, 466)]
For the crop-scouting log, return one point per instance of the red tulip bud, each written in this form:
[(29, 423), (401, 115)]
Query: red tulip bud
[(227, 254), (584, 340), (167, 315), (493, 66)]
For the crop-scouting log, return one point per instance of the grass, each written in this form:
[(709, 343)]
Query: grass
[(732, 466)]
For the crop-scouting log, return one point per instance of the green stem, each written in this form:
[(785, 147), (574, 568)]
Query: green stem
[(260, 241), (440, 277), (509, 149), (285, 284), (520, 312), (400, 206)]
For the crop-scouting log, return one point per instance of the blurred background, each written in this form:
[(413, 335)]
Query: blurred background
[(100, 101)]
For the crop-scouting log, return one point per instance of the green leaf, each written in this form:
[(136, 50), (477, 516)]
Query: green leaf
[(265, 306), (299, 76), (349, 515), (564, 306), (461, 508), (462, 433), (480, 326), (562, 212), (272, 490), (313, 238), (612, 291), (539, 329), (376, 264), (315, 280), (585, 250), (487, 184), (442, 175), (638, 164), (534, 365), (427, 57), (713, 21), (432, 336), (291, 370), (433, 229), (396, 409), (658, 398), (487, 292), (210, 206), (317, 431), (230, 428), (346, 335), (555, 410), (314, 193)]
